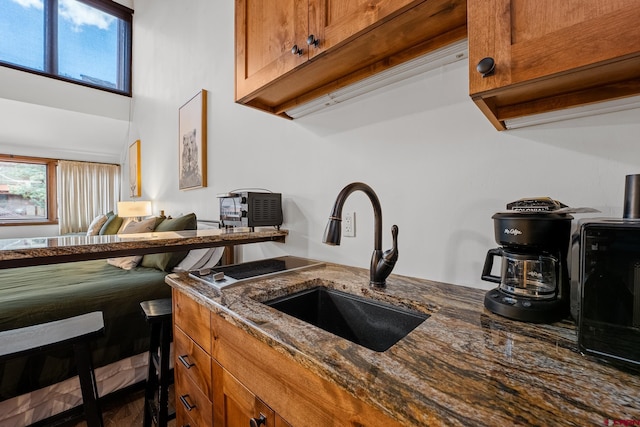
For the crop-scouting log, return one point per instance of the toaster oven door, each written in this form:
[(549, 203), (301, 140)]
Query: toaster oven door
[(231, 211)]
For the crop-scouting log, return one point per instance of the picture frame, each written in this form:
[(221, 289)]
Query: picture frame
[(192, 143), (135, 177)]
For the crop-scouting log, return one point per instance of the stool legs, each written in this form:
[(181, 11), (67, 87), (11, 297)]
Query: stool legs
[(152, 376), (88, 385), (158, 376), (163, 374)]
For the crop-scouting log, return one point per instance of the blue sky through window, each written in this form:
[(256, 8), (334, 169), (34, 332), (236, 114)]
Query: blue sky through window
[(87, 39), (22, 33)]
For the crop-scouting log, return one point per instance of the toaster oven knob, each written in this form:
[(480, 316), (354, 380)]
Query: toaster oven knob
[(244, 214), (243, 200)]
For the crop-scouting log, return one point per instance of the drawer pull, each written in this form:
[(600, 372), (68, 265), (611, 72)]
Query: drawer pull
[(186, 403), (257, 422), (184, 361)]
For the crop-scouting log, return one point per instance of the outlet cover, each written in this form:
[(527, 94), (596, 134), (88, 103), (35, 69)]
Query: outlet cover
[(349, 224)]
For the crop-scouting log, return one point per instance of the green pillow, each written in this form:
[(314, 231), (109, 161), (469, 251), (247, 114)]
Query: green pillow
[(112, 225), (166, 261)]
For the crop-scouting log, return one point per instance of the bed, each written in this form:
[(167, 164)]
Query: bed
[(33, 295)]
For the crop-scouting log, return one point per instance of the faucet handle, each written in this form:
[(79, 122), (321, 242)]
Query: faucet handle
[(391, 255)]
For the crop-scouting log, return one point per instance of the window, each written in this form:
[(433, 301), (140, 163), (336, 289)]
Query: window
[(81, 41), (27, 190)]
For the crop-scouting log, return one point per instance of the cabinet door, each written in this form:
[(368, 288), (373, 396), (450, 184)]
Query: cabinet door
[(334, 21), (235, 405), (564, 46), (266, 31)]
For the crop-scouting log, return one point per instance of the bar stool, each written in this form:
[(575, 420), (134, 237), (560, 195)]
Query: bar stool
[(159, 377), (77, 331)]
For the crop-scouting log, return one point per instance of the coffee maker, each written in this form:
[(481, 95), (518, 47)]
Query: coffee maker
[(534, 236)]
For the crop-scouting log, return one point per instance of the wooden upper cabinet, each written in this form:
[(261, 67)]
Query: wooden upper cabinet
[(355, 40), (266, 32), (334, 21), (552, 54)]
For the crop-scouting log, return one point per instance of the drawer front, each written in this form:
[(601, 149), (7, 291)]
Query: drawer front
[(193, 318), (192, 361), (192, 402), (182, 417)]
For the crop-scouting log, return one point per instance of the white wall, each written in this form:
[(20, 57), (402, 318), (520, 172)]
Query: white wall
[(437, 165), (439, 168)]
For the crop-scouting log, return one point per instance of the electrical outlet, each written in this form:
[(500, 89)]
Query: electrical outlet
[(349, 223)]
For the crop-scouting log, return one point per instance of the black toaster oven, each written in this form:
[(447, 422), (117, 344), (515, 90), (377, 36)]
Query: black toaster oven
[(605, 289), (250, 209)]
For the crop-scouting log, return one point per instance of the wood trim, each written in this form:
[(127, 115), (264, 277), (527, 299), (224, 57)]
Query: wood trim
[(52, 199)]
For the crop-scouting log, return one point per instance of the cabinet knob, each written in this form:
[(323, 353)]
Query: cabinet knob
[(486, 66), (296, 50), (257, 422), (312, 40)]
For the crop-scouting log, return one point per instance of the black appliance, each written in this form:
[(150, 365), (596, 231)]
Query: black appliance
[(534, 277), (250, 209), (605, 288), (605, 282)]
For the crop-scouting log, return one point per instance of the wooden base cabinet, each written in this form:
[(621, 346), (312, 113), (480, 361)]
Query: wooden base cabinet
[(549, 55), (192, 364), (248, 383), (254, 374), (236, 406)]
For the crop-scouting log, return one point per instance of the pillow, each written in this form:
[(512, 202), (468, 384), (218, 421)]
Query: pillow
[(96, 225), (194, 260), (111, 226), (129, 262), (166, 261), (200, 258), (215, 258)]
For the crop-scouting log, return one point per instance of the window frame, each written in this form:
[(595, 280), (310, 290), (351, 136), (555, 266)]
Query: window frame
[(51, 45), (52, 199)]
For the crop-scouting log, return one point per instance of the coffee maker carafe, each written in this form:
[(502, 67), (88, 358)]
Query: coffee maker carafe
[(534, 279)]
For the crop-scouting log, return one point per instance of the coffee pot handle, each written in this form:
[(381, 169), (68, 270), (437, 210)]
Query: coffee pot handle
[(488, 265)]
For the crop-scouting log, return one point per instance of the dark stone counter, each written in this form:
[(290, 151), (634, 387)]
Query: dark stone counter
[(53, 250), (463, 366)]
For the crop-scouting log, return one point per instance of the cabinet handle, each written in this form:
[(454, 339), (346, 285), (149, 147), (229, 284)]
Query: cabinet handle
[(257, 422), (296, 50), (486, 66), (186, 403), (312, 40), (184, 361)]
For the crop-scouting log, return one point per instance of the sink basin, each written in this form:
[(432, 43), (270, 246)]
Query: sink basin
[(369, 323)]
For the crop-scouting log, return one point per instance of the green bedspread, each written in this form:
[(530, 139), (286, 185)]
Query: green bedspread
[(33, 295)]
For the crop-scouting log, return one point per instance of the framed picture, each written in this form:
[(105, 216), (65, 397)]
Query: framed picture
[(192, 143), (135, 178)]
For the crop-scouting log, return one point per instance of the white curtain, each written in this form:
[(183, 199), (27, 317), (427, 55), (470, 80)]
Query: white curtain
[(85, 190)]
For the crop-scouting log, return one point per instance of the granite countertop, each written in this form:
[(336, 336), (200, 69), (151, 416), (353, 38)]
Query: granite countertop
[(463, 366), (22, 252)]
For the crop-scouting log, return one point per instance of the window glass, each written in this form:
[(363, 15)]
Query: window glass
[(23, 191), (22, 33), (84, 41), (87, 44)]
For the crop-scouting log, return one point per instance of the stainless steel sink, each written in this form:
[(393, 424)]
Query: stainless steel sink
[(366, 322)]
